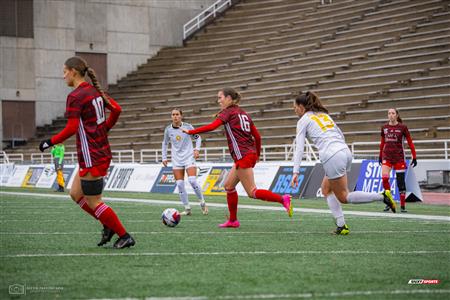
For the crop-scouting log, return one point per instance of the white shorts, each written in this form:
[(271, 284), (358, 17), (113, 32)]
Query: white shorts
[(189, 163), (339, 164)]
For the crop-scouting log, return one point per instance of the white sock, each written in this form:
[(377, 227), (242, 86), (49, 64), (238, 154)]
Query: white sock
[(363, 197), (196, 188), (336, 210), (183, 194)]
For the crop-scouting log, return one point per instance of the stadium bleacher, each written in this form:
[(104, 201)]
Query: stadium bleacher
[(362, 57)]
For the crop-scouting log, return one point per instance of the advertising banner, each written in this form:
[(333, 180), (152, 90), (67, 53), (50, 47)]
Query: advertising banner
[(165, 182), (370, 179), (68, 172), (264, 176), (6, 171), (32, 176), (214, 183), (282, 182), (48, 177)]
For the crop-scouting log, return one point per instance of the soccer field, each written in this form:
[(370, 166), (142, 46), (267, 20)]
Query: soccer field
[(48, 247)]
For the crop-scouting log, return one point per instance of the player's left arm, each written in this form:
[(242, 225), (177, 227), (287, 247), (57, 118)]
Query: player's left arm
[(210, 127), (115, 111), (411, 147), (257, 138)]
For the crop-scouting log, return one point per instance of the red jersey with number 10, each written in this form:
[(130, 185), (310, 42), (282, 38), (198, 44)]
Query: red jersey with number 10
[(86, 103), (238, 126)]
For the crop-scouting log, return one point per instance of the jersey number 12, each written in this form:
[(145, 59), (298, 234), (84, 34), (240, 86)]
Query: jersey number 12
[(99, 109)]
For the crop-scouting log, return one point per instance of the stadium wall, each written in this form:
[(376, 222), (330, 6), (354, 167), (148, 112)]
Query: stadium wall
[(129, 32)]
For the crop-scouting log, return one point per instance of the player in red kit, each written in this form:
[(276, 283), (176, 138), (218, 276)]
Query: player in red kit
[(392, 154), (244, 143), (85, 111)]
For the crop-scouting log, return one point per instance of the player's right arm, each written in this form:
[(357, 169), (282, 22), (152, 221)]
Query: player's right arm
[(165, 143), (73, 112), (299, 148), (210, 127)]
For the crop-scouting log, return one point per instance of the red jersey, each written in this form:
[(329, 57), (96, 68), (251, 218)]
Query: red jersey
[(392, 139), (238, 128), (86, 103)]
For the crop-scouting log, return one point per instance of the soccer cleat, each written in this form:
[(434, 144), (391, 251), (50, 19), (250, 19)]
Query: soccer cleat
[(403, 209), (124, 242), (186, 212), (204, 208), (387, 208), (107, 235), (388, 200), (343, 230), (230, 224), (287, 203)]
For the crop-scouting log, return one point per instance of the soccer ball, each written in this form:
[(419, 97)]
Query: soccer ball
[(170, 217)]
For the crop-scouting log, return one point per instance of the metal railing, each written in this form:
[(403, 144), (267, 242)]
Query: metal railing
[(199, 21), (428, 152)]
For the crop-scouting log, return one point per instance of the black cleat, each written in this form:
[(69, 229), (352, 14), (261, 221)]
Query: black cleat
[(124, 242), (403, 209), (343, 230), (107, 235)]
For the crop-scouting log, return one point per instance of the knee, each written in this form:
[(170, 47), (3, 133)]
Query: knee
[(228, 187), (342, 197), (192, 181), (75, 196)]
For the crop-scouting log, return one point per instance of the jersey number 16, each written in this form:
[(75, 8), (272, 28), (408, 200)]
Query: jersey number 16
[(245, 123)]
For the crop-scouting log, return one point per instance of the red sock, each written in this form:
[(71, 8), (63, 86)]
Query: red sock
[(84, 206), (232, 200), (267, 195), (402, 199), (109, 218), (386, 184)]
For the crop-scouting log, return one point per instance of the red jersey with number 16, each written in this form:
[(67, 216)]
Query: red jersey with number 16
[(238, 126), (86, 103)]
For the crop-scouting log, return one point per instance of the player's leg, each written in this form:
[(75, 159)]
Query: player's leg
[(401, 184), (192, 177), (92, 187), (178, 172), (335, 208), (385, 171), (232, 199), (248, 182)]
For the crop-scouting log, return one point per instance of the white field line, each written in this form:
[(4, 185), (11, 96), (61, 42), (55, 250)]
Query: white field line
[(231, 253), (255, 207), (232, 232), (340, 294)]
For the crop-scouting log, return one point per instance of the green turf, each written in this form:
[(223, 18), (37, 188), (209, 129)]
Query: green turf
[(286, 258)]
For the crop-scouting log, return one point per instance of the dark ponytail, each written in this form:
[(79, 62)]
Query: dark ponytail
[(398, 116), (311, 102), (82, 67)]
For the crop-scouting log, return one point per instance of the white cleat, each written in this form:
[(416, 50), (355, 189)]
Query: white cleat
[(204, 208), (187, 212)]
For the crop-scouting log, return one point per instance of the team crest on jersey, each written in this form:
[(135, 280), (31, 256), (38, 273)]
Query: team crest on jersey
[(178, 138), (386, 130)]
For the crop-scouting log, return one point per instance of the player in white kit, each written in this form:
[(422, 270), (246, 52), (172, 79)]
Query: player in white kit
[(183, 158), (316, 124)]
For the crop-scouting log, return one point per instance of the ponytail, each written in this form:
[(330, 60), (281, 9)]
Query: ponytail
[(398, 116), (311, 102), (82, 67), (96, 84)]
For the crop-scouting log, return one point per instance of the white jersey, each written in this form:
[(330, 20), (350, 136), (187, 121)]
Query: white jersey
[(321, 130), (182, 150)]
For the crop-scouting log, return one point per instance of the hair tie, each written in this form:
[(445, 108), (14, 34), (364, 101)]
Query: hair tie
[(85, 70)]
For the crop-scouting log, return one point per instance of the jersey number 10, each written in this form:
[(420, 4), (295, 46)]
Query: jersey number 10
[(99, 109)]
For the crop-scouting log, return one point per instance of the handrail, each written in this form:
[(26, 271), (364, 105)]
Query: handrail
[(199, 21), (376, 150), (4, 158)]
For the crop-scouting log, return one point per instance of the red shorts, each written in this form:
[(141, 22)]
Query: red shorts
[(96, 171), (401, 165), (248, 161)]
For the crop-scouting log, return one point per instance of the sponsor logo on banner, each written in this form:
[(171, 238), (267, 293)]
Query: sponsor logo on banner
[(165, 182), (106, 178), (282, 181), (424, 281), (120, 177), (32, 176), (214, 183), (369, 179), (47, 178), (6, 171)]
